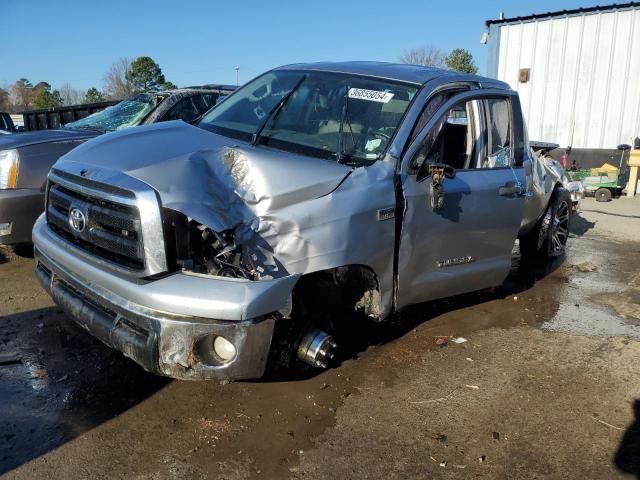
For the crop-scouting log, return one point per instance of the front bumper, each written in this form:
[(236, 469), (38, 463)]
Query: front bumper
[(167, 343), (19, 208)]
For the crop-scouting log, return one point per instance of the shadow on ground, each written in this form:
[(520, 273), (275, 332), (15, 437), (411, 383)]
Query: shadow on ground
[(580, 225), (24, 250), (56, 382), (612, 213), (627, 457)]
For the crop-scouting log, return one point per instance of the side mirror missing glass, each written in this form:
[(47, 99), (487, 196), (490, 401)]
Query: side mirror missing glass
[(437, 172), (426, 170)]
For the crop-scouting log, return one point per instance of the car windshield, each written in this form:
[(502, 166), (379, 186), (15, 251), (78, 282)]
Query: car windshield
[(330, 115), (128, 113)]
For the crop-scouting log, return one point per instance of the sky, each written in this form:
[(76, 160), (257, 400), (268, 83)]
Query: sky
[(199, 42)]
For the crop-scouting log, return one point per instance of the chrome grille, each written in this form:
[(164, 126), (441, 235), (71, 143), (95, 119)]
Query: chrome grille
[(111, 230)]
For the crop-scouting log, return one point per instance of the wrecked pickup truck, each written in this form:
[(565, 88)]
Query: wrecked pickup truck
[(316, 190)]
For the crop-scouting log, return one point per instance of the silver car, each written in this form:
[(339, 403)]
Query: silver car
[(312, 193)]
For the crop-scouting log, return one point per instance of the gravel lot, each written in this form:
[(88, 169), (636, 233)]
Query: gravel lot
[(547, 385)]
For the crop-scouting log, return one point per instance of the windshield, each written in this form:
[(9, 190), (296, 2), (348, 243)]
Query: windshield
[(128, 113), (330, 115)]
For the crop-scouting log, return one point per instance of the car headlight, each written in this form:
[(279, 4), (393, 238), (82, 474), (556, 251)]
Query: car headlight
[(8, 168), (575, 187)]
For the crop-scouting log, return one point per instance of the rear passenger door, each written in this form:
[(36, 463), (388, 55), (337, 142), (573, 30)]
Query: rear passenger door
[(465, 244)]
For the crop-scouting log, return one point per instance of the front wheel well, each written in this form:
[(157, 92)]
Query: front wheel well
[(347, 288), (337, 302)]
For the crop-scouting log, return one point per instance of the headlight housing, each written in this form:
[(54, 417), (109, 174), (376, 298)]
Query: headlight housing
[(576, 189), (8, 169)]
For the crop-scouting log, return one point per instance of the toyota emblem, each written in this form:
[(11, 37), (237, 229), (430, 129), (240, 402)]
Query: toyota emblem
[(77, 220)]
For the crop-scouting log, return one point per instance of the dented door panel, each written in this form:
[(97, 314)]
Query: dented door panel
[(464, 246)]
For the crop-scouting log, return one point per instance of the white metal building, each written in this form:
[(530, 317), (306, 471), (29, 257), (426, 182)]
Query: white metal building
[(577, 72)]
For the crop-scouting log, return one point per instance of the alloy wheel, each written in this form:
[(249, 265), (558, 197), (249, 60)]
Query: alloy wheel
[(560, 232)]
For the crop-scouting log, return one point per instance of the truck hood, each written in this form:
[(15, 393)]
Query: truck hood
[(23, 139), (217, 181)]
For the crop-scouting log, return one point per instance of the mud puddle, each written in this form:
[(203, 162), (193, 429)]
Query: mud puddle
[(602, 295)]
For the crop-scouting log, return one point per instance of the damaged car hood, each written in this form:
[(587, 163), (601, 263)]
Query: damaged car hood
[(217, 181)]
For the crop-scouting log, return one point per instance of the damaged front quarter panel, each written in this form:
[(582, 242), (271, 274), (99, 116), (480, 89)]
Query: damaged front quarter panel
[(543, 176), (269, 229)]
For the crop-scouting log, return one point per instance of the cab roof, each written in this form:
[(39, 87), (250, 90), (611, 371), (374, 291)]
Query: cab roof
[(415, 74)]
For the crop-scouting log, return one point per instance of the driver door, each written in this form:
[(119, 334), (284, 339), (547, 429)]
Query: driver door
[(462, 241)]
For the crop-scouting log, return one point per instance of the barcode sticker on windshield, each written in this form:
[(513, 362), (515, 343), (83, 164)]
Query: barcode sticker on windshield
[(371, 95)]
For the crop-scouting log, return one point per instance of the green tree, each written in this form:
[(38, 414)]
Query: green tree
[(169, 86), (93, 95), (43, 97), (461, 60), (145, 74)]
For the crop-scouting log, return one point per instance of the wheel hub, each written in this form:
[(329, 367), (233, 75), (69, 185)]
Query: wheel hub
[(316, 348)]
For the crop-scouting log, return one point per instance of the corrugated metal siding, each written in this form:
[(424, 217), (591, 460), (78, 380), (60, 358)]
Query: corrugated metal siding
[(584, 88)]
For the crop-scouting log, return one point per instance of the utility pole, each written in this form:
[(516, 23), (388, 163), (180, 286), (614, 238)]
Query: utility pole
[(237, 76)]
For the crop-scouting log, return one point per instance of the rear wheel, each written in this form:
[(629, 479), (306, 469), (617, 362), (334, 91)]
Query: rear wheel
[(549, 237), (603, 195)]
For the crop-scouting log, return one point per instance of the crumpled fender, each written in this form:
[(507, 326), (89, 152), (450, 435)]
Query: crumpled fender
[(542, 177)]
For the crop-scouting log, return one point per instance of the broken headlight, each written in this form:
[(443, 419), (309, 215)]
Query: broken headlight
[(196, 248), (217, 254), (576, 189)]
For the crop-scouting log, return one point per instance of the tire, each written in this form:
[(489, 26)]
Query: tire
[(548, 239), (603, 195)]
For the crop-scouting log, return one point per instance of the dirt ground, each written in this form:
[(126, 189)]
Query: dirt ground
[(546, 385)]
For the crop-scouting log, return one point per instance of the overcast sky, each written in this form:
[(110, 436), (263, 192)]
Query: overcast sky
[(74, 41)]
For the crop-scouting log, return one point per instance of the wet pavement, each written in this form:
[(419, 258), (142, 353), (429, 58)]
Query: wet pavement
[(543, 387)]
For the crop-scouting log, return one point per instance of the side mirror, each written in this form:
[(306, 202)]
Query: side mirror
[(438, 172), (427, 169)]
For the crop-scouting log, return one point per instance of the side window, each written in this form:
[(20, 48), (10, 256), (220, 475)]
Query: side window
[(459, 137), (455, 139), (185, 110), (499, 133), (204, 102), (434, 104)]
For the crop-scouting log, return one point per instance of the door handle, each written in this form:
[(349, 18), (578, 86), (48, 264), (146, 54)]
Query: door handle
[(511, 189)]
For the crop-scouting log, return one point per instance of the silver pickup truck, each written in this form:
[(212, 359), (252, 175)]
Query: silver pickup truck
[(312, 192)]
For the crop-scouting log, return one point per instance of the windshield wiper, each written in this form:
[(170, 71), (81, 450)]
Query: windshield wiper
[(340, 155), (273, 113)]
